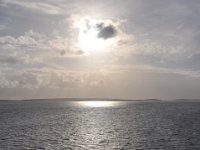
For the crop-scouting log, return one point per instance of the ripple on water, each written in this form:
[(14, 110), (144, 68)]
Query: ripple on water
[(59, 125)]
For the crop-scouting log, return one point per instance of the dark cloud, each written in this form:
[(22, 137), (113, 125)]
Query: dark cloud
[(9, 60), (106, 32), (68, 52), (62, 52)]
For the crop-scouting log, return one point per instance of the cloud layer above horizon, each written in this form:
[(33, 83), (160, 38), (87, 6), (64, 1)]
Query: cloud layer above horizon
[(151, 49)]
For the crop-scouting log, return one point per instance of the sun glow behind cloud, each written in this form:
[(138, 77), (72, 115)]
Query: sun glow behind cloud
[(88, 39), (95, 35)]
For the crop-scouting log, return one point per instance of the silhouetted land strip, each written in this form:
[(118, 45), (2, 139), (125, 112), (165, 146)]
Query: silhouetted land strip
[(85, 99), (103, 99)]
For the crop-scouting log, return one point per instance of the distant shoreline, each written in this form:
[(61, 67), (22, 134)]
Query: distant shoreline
[(81, 99), (103, 99)]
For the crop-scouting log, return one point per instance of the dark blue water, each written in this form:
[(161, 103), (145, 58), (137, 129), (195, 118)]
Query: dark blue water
[(125, 126)]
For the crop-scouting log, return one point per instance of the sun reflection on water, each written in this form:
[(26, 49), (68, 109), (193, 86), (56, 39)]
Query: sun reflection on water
[(98, 103)]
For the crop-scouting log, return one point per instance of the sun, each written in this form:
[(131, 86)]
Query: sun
[(88, 38)]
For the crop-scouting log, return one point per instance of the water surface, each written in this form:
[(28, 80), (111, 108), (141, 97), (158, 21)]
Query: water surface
[(65, 125)]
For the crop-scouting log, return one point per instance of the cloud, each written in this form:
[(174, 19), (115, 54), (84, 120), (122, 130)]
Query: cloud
[(9, 60), (29, 48), (2, 27), (50, 79), (29, 39), (33, 46), (37, 7), (106, 31), (36, 78), (97, 83), (64, 46)]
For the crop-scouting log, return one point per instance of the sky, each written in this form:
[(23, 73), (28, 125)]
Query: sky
[(128, 49)]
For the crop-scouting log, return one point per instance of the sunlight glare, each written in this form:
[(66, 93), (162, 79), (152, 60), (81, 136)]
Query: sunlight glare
[(88, 36), (97, 103)]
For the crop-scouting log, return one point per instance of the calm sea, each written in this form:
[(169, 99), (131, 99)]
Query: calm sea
[(56, 125)]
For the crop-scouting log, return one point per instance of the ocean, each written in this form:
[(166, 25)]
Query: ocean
[(107, 125)]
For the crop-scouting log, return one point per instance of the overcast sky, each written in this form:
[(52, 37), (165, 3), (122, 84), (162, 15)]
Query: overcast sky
[(133, 49)]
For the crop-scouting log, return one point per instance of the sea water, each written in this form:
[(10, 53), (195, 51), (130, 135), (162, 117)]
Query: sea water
[(55, 125)]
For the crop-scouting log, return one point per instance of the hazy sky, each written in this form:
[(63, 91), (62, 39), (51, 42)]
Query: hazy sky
[(105, 49)]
